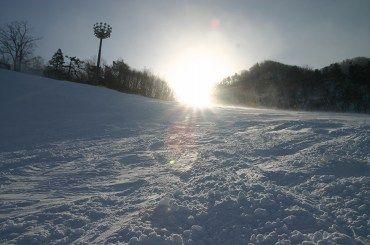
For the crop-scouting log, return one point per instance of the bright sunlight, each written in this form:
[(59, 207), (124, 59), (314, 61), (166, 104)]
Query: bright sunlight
[(195, 72)]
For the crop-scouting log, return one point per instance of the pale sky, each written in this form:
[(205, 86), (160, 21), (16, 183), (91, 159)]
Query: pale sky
[(154, 33)]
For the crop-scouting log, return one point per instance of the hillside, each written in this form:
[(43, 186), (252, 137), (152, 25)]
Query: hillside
[(343, 86), (86, 164)]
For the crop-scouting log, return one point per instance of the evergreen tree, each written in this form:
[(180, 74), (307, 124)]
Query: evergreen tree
[(73, 69), (55, 68)]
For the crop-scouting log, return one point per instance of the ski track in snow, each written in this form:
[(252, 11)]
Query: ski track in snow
[(81, 164)]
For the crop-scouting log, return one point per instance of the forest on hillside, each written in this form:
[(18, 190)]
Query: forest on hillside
[(118, 76), (343, 86)]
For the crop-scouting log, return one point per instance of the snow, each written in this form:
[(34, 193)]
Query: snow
[(86, 164)]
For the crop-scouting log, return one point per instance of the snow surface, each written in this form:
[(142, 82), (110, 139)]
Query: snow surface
[(86, 164)]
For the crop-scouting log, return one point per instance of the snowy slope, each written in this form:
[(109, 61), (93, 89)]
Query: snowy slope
[(86, 164)]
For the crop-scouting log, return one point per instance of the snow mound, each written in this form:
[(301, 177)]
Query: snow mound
[(84, 164)]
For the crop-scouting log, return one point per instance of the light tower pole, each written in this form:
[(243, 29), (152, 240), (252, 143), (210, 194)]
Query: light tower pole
[(101, 31)]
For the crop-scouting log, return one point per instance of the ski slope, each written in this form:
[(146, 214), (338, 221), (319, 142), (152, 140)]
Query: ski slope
[(82, 164)]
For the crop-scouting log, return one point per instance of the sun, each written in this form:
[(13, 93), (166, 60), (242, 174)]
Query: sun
[(194, 73)]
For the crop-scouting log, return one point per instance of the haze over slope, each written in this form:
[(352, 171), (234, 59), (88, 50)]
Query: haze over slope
[(90, 165)]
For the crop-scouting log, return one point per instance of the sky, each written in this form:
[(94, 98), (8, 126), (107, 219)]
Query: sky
[(156, 34)]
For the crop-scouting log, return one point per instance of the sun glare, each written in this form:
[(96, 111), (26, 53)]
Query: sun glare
[(194, 74)]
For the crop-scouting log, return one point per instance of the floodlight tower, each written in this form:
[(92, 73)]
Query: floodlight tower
[(101, 31)]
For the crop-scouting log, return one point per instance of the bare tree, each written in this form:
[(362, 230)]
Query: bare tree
[(4, 59), (17, 42)]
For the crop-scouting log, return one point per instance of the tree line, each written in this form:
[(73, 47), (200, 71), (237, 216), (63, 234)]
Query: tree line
[(118, 76), (343, 86), (16, 52)]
